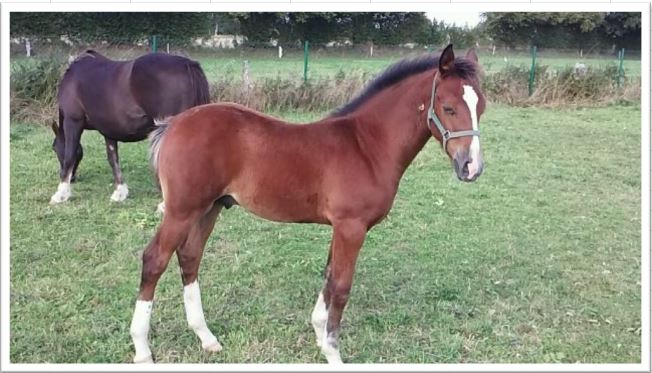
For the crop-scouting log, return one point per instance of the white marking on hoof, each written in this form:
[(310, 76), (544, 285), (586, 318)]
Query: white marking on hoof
[(140, 329), (329, 349), (146, 360), (120, 193), (319, 318), (215, 347), (62, 195), (195, 317), (161, 208)]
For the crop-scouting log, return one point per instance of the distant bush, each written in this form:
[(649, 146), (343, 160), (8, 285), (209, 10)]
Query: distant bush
[(562, 87), (34, 87), (283, 93)]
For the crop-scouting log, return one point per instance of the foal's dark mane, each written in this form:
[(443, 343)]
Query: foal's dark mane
[(403, 69)]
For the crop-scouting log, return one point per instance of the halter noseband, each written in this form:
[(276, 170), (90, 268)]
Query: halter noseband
[(445, 134)]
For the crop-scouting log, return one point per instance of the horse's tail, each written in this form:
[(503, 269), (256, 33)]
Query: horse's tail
[(155, 141), (199, 83)]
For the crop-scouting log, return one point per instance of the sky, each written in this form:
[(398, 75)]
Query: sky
[(459, 18)]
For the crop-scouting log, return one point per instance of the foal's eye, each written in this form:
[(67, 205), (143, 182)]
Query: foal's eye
[(449, 110)]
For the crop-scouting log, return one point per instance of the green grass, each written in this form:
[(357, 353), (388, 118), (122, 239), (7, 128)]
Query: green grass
[(265, 63), (538, 261)]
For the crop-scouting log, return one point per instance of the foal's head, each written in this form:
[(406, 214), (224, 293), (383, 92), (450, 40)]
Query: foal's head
[(457, 104)]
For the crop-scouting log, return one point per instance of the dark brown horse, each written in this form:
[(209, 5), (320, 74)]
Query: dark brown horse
[(343, 171), (120, 99)]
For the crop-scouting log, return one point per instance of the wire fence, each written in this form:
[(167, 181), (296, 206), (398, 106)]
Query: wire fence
[(320, 76), (364, 55)]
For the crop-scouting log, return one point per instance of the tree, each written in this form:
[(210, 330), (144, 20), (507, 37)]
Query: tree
[(322, 27), (580, 30), (111, 27), (31, 24), (316, 27), (623, 29), (258, 27)]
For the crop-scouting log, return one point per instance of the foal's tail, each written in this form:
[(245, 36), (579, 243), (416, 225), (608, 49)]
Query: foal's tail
[(155, 140), (199, 83)]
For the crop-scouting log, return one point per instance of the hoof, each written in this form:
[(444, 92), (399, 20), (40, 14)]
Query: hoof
[(334, 360), (144, 360), (62, 195), (120, 194), (56, 199), (213, 347)]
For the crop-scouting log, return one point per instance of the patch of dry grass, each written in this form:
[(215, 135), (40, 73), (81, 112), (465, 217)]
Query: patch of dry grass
[(34, 87)]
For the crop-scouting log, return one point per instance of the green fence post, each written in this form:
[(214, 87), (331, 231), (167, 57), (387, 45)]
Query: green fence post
[(530, 86), (154, 44), (305, 61), (621, 70)]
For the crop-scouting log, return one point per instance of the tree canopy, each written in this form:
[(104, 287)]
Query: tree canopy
[(564, 30), (511, 29)]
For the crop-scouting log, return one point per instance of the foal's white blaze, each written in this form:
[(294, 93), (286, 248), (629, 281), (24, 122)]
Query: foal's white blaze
[(195, 317), (139, 331), (471, 99), (120, 193)]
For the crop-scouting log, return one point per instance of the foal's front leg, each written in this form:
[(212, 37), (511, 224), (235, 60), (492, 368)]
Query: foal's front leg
[(121, 189), (348, 237)]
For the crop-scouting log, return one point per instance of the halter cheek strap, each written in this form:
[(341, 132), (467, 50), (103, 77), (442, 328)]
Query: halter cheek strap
[(445, 134)]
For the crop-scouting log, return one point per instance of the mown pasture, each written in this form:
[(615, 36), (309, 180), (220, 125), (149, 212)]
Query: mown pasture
[(538, 261)]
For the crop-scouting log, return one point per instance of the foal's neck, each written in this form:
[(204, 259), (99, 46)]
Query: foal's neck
[(393, 123)]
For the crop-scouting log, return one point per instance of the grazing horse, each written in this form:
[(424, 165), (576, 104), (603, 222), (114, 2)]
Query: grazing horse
[(120, 99), (343, 171)]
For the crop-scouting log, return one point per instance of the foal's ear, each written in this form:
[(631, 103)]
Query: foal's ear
[(447, 59), (471, 55), (55, 128)]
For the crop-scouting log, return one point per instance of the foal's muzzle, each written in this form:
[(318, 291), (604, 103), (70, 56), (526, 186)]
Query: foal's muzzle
[(461, 163)]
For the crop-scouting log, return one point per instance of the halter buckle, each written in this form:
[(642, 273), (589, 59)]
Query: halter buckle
[(446, 135)]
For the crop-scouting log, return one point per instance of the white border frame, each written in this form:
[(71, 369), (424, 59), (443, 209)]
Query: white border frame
[(644, 8)]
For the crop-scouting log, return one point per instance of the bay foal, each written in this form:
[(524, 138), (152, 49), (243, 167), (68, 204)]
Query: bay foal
[(343, 171)]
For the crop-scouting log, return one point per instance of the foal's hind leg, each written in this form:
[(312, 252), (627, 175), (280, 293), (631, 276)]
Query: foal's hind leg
[(121, 190), (172, 233), (189, 255)]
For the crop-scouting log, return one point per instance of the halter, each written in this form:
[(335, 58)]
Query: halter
[(445, 134)]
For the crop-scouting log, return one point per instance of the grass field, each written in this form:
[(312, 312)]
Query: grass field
[(322, 65), (538, 261), (326, 64)]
